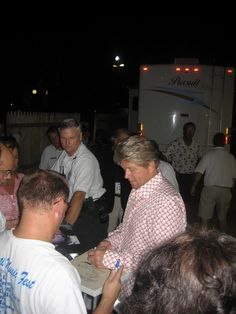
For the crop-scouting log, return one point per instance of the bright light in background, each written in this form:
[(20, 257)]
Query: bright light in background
[(117, 63), (174, 119), (34, 91), (145, 68)]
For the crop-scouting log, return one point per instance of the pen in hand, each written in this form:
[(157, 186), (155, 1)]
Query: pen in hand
[(117, 265)]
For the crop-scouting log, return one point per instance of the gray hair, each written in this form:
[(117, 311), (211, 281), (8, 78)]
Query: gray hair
[(69, 123), (138, 149)]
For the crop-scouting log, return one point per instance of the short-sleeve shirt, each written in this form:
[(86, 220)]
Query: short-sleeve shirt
[(182, 157), (82, 172), (219, 167), (35, 278), (49, 156)]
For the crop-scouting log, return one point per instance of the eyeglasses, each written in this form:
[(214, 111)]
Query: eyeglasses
[(6, 173)]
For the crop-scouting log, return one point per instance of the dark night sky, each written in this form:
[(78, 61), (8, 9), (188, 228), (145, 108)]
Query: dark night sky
[(76, 67)]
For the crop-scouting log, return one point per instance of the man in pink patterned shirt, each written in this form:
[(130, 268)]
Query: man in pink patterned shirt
[(155, 211)]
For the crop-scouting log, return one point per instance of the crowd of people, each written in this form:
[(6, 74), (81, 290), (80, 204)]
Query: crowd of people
[(174, 268)]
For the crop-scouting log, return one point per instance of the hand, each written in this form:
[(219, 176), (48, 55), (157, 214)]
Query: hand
[(111, 290), (95, 257), (112, 285), (105, 244)]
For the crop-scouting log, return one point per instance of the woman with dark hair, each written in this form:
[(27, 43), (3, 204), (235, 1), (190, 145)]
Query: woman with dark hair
[(193, 273)]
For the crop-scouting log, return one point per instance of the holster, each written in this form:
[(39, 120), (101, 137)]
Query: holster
[(99, 206)]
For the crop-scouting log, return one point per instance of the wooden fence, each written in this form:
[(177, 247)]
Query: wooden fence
[(29, 128)]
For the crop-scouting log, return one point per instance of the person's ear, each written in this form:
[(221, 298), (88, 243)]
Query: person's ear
[(58, 208), (152, 166)]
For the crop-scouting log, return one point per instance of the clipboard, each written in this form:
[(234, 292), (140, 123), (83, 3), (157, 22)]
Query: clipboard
[(92, 278)]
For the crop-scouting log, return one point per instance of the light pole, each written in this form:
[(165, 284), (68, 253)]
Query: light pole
[(117, 63)]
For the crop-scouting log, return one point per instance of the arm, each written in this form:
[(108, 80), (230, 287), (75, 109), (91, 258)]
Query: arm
[(75, 206), (83, 173), (105, 256), (197, 178), (95, 256), (111, 290)]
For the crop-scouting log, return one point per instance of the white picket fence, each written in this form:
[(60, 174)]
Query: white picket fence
[(29, 128)]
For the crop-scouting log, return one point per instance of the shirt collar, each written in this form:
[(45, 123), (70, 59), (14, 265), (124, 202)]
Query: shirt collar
[(148, 188)]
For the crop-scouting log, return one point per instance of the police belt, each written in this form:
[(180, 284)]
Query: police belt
[(90, 204)]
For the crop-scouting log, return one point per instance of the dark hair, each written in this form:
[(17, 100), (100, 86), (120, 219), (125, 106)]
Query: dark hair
[(120, 131), (189, 124), (159, 153), (219, 139), (52, 129), (41, 187), (10, 142), (193, 273)]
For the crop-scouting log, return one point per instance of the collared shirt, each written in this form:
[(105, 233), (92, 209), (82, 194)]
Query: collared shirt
[(154, 214), (49, 156), (82, 172), (219, 167), (182, 157)]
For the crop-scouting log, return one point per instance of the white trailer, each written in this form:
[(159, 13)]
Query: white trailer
[(172, 94)]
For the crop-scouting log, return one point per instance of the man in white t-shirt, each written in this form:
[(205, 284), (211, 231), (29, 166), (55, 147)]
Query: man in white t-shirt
[(34, 277), (51, 152)]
